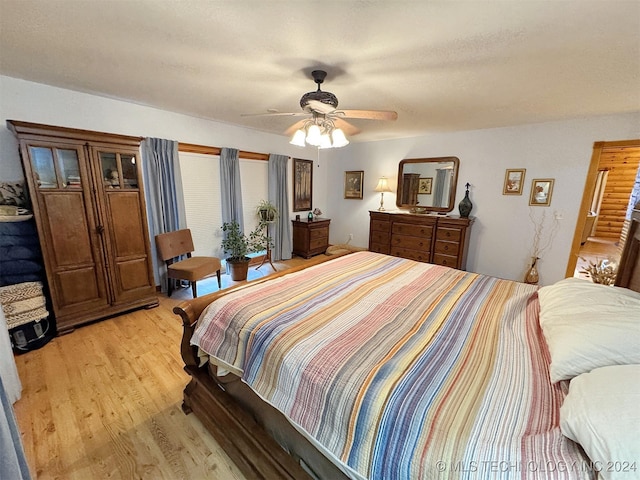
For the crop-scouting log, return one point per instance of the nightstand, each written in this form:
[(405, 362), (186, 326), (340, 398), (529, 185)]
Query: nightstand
[(310, 237)]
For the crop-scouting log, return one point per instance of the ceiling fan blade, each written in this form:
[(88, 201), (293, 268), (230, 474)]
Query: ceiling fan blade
[(274, 114), (368, 114), (320, 107), (296, 126), (346, 127)]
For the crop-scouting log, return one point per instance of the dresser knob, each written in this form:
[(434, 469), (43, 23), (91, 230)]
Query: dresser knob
[(446, 247)]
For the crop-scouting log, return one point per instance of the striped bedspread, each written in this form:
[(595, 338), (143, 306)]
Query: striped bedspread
[(401, 370)]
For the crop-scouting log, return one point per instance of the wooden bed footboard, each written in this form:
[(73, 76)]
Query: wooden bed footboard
[(246, 442)]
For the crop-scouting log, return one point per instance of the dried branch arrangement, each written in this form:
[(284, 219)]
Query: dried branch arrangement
[(601, 271)]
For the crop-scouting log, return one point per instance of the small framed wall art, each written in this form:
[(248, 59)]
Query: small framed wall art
[(424, 186), (302, 184), (353, 181), (513, 181), (541, 190)]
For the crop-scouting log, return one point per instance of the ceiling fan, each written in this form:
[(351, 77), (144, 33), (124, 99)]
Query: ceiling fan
[(326, 127)]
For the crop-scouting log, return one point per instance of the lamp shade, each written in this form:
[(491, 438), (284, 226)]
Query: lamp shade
[(325, 141), (339, 140), (383, 185), (298, 138), (313, 135)]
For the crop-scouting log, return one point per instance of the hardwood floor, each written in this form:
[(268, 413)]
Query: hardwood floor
[(105, 400)]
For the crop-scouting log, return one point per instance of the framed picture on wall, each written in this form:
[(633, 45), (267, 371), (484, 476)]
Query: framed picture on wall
[(353, 184), (513, 181), (424, 186), (302, 184), (541, 190)]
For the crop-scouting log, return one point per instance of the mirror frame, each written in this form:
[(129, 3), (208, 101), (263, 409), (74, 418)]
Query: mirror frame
[(452, 190)]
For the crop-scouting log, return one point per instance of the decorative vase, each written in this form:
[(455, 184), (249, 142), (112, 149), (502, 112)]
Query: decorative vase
[(532, 276), (465, 205)]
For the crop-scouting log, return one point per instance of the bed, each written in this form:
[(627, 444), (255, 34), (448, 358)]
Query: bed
[(371, 366)]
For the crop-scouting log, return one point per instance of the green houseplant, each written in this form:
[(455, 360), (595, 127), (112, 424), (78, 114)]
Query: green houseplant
[(237, 246), (267, 211)]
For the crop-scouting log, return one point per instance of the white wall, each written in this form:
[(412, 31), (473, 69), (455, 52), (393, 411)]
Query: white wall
[(501, 235), (38, 103)]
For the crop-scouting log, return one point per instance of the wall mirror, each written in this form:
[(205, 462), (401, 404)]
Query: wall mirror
[(427, 184)]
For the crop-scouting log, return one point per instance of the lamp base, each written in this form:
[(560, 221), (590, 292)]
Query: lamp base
[(381, 209)]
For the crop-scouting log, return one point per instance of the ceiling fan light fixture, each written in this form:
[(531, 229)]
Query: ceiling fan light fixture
[(298, 138), (338, 138), (325, 141), (313, 135)]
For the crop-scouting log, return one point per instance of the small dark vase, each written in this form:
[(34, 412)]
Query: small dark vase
[(465, 205)]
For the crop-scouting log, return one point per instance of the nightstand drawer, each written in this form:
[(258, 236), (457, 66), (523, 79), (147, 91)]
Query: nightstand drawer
[(319, 233)]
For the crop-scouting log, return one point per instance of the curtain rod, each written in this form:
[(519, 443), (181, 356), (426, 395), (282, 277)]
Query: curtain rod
[(203, 149)]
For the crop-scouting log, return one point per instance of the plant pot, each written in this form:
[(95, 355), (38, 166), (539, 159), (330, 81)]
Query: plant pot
[(238, 269), (267, 215)]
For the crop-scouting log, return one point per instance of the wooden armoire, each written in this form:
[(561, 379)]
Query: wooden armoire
[(88, 203)]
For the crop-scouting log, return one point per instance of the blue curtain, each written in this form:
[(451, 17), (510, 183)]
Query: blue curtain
[(280, 230), (230, 188), (438, 191), (164, 194)]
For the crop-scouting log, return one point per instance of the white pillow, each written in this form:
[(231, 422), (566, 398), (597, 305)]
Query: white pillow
[(601, 413), (587, 325)]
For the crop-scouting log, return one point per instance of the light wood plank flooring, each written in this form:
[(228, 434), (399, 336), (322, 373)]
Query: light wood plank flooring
[(105, 400)]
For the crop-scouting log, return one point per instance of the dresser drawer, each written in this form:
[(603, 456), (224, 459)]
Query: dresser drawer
[(379, 237), (379, 247), (447, 248), (449, 234), (425, 231), (445, 260), (416, 255), (414, 243), (380, 226)]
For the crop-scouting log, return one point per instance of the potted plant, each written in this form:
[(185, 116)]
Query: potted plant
[(237, 245), (267, 211)]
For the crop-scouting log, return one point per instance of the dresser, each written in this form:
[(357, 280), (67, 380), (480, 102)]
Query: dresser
[(310, 237), (425, 238)]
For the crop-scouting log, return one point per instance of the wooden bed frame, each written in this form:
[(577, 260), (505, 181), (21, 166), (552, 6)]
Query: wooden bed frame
[(245, 440)]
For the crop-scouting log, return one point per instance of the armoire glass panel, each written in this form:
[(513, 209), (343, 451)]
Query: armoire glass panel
[(129, 171), (69, 169), (43, 168), (110, 173)]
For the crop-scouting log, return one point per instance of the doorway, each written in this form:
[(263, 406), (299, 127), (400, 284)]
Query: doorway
[(602, 225)]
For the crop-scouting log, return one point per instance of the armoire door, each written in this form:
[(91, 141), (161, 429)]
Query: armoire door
[(57, 174), (126, 243)]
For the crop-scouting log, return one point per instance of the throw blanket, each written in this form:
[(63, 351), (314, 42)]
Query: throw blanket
[(400, 369)]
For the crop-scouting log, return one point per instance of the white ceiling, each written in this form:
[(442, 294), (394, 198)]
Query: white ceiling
[(442, 65)]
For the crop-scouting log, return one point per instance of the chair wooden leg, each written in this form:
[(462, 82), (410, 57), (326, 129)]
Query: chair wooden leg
[(219, 279), (193, 289), (169, 286)]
